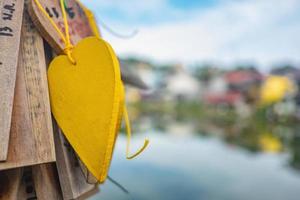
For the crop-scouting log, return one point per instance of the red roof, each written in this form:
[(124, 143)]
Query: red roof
[(238, 77)]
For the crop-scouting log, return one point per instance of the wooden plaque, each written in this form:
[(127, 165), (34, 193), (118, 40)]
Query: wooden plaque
[(31, 130), (39, 182), (46, 183), (27, 188), (91, 193), (77, 20), (72, 175), (11, 12), (10, 184)]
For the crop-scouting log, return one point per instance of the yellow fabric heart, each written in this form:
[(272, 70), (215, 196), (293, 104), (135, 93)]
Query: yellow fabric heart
[(87, 101)]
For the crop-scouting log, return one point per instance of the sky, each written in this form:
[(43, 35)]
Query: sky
[(227, 32)]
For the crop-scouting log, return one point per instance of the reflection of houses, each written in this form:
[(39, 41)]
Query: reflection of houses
[(181, 129), (269, 143), (234, 87)]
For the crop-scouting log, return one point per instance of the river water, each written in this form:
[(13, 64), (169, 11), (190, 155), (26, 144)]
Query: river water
[(213, 163)]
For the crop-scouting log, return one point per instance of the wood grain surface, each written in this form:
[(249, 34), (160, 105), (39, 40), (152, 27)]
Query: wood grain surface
[(11, 12), (27, 188), (72, 175), (46, 183), (10, 183), (77, 20), (39, 182), (89, 194), (31, 130)]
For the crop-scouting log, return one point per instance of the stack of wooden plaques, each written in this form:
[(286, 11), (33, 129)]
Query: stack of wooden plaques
[(36, 161)]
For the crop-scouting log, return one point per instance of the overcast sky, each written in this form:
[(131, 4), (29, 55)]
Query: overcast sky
[(263, 32)]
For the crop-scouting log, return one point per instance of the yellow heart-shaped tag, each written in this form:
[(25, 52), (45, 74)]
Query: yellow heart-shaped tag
[(87, 101)]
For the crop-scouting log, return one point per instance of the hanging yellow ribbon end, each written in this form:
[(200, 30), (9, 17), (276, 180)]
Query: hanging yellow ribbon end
[(146, 143), (128, 130)]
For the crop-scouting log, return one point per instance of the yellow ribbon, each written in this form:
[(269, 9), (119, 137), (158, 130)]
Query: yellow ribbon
[(128, 130), (68, 51)]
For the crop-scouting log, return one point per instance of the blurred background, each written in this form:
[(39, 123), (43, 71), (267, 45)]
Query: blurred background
[(222, 108)]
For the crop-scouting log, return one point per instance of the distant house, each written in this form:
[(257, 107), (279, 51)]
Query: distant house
[(217, 86), (277, 88), (293, 74), (142, 71), (234, 86), (246, 82), (281, 91), (288, 71), (181, 85)]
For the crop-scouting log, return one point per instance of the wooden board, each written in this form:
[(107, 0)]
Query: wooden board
[(31, 131), (89, 194), (71, 174), (27, 188), (46, 183), (10, 31), (39, 182), (10, 181), (16, 184), (86, 173), (77, 20)]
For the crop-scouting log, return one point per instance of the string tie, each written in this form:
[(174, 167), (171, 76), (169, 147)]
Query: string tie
[(68, 51)]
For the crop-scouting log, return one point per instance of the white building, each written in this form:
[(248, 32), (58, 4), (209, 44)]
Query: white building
[(181, 85)]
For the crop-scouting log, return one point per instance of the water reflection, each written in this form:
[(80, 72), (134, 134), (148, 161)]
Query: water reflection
[(192, 158), (255, 136)]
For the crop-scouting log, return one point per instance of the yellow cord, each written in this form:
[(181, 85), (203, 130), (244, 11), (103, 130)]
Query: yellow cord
[(66, 38), (128, 130)]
